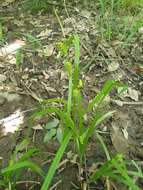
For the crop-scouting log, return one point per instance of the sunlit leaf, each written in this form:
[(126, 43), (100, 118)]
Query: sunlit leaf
[(52, 124), (59, 134), (49, 135)]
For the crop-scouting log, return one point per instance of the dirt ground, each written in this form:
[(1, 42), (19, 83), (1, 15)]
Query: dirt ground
[(43, 77)]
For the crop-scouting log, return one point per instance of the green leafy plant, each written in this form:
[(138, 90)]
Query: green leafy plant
[(116, 169), (32, 44), (71, 113), (12, 173), (53, 130)]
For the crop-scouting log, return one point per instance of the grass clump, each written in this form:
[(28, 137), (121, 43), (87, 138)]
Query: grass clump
[(119, 19), (116, 169), (131, 5), (78, 122)]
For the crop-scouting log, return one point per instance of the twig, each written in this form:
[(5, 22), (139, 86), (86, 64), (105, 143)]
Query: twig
[(133, 103), (108, 183), (62, 29), (114, 186), (62, 163), (55, 185), (74, 185), (32, 94), (21, 182), (121, 103)]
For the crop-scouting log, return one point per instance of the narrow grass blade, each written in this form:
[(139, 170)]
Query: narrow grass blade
[(60, 23), (102, 7), (69, 104), (108, 167), (78, 110), (121, 167), (20, 165), (76, 43), (28, 154), (90, 130), (56, 161), (102, 171), (104, 146), (117, 177), (33, 40), (69, 69), (108, 86), (112, 6), (137, 167), (135, 174)]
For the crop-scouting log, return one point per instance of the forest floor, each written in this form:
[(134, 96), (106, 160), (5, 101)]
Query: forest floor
[(41, 76)]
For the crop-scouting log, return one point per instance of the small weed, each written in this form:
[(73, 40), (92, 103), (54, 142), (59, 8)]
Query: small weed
[(108, 28), (32, 42), (116, 169), (112, 25), (12, 173), (53, 130), (131, 5), (107, 20), (133, 29)]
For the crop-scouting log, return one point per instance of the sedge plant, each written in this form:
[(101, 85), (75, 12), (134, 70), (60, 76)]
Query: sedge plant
[(71, 112)]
